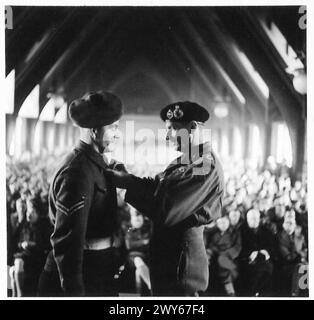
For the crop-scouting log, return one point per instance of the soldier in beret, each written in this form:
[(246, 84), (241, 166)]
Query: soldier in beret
[(83, 207), (180, 201)]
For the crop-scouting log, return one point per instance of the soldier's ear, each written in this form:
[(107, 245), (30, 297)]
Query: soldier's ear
[(93, 133)]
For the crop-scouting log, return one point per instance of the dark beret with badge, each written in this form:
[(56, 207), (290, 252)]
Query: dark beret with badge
[(184, 111), (95, 109)]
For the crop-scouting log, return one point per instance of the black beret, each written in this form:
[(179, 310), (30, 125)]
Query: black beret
[(95, 109), (185, 111)]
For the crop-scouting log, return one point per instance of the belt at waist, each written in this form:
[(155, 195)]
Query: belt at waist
[(98, 244)]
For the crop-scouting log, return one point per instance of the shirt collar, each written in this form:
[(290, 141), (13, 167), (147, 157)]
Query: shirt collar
[(92, 154)]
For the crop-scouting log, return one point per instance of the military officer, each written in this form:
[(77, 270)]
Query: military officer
[(82, 205), (180, 201)]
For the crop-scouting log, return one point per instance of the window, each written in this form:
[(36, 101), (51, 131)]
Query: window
[(30, 106), (9, 90), (282, 144)]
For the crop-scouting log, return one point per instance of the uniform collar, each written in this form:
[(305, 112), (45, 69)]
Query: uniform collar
[(196, 153), (92, 154)]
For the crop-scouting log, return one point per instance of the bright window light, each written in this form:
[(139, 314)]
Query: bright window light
[(256, 151), (61, 116), (284, 149), (12, 146), (214, 141), (16, 144), (237, 143), (51, 138), (38, 137), (224, 145), (48, 112), (9, 92), (30, 106)]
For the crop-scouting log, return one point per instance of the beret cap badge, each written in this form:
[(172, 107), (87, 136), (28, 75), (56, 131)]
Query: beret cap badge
[(184, 111), (178, 113), (169, 114)]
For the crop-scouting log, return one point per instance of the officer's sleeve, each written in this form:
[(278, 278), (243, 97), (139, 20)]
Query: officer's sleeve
[(195, 196), (141, 195), (72, 202)]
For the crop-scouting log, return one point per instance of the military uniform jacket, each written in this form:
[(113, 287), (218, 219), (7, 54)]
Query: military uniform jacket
[(82, 205), (287, 249), (227, 243), (180, 200)]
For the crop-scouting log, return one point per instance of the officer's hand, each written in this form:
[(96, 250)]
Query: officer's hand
[(24, 245), (253, 256), (120, 179), (120, 167), (266, 254)]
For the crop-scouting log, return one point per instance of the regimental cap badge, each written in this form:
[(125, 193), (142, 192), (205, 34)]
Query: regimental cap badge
[(169, 114), (178, 113)]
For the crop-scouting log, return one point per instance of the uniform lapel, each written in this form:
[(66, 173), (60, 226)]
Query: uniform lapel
[(92, 154)]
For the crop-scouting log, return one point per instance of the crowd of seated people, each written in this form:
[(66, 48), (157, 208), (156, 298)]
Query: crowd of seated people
[(259, 245), (28, 226), (257, 248), (136, 232), (29, 230)]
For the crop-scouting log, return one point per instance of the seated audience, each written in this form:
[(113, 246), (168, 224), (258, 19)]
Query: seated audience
[(292, 255), (256, 256), (32, 244), (223, 248), (137, 243), (269, 191)]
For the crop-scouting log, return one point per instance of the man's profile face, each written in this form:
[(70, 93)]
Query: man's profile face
[(178, 134), (107, 136)]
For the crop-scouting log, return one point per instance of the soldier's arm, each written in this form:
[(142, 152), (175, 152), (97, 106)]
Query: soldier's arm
[(141, 194), (72, 202), (195, 197)]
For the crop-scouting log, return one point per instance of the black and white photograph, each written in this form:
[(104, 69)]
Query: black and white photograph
[(155, 151)]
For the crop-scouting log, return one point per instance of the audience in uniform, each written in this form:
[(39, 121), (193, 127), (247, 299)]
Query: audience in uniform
[(292, 255), (257, 255), (222, 249)]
